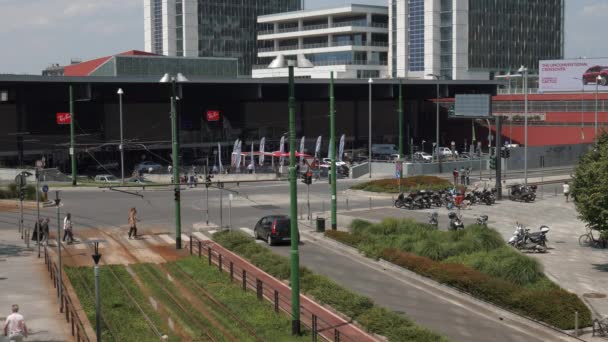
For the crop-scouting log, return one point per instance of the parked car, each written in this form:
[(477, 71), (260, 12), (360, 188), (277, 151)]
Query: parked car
[(590, 76), (327, 161), (137, 180), (106, 179), (273, 229), (147, 165), (422, 156), (445, 152)]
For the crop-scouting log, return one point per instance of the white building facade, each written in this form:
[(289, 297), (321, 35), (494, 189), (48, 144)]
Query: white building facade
[(472, 39), (352, 41)]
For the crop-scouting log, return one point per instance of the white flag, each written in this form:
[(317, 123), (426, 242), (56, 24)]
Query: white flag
[(238, 154), (318, 147), (262, 143), (233, 155), (301, 150), (341, 149), (219, 156), (282, 149), (252, 157), (329, 152)]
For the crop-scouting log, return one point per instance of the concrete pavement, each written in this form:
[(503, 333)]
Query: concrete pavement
[(24, 280)]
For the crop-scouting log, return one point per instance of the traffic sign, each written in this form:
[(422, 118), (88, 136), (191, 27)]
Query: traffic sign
[(45, 188)]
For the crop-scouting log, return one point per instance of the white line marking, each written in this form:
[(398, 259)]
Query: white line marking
[(211, 232), (81, 245), (167, 238), (201, 236), (185, 238)]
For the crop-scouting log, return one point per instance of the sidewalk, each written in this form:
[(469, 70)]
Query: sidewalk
[(24, 280)]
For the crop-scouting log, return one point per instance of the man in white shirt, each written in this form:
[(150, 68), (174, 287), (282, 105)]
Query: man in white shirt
[(14, 327), (566, 187)]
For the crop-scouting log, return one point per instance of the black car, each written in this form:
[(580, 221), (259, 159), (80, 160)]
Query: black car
[(273, 229)]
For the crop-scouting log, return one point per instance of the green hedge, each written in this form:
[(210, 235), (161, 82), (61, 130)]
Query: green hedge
[(11, 192), (407, 184), (555, 306), (360, 308)]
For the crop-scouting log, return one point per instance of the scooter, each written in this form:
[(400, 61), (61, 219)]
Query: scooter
[(434, 219), (482, 220), (521, 239), (455, 221)]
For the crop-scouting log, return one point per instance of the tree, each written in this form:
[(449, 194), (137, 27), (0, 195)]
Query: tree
[(589, 188)]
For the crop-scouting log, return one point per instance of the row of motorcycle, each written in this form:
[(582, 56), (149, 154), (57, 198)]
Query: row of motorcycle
[(455, 220), (522, 193), (426, 199)]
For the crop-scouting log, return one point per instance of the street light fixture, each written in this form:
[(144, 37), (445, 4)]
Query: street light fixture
[(121, 146), (524, 71), (369, 154), (437, 77), (301, 62), (175, 153)]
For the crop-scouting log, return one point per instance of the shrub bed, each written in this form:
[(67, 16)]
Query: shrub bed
[(360, 308), (475, 260), (407, 184), (11, 192)]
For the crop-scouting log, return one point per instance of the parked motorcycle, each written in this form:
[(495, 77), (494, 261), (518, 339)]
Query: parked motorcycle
[(520, 192), (404, 201), (455, 221), (482, 220), (522, 239), (434, 219)]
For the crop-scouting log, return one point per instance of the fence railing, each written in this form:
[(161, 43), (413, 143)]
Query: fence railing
[(265, 291), (66, 304)]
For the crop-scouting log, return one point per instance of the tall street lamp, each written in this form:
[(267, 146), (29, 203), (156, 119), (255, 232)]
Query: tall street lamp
[(121, 146), (369, 153), (437, 77), (524, 71), (301, 62), (175, 153), (96, 257), (597, 82)]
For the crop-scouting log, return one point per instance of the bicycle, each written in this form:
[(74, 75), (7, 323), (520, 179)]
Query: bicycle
[(588, 240)]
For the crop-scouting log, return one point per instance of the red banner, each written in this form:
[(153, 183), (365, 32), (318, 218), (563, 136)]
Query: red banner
[(213, 115), (64, 118)]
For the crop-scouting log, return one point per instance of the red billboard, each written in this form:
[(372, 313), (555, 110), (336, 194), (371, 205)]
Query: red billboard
[(213, 115), (64, 118)]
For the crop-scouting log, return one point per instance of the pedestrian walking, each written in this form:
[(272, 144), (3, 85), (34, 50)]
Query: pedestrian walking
[(68, 228), (566, 187), (468, 176), (14, 326), (45, 229), (250, 168), (462, 176), (133, 222), (455, 174)]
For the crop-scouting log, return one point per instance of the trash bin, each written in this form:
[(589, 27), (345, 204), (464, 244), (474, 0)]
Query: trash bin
[(320, 224)]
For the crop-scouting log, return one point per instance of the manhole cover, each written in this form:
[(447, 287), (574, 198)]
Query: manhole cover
[(594, 295), (266, 207)]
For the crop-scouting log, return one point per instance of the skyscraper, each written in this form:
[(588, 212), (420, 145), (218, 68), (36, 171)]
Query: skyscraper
[(472, 39), (208, 28)]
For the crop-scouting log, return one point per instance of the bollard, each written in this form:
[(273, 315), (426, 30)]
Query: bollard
[(347, 203), (276, 301), (190, 244), (244, 280), (370, 203), (199, 249), (219, 263), (575, 323), (209, 255)]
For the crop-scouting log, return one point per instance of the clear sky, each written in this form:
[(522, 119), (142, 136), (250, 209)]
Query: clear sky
[(36, 33)]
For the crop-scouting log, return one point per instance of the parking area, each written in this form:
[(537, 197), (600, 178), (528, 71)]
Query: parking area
[(582, 270)]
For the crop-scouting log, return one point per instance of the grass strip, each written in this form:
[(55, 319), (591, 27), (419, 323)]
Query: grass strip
[(125, 319), (259, 315), (475, 260), (374, 319)]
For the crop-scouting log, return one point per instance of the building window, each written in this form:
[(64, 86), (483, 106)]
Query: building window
[(368, 73), (157, 30), (416, 35), (179, 28)]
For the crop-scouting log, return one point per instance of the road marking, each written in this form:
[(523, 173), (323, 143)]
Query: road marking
[(247, 231), (201, 236), (167, 238), (211, 232), (81, 245), (152, 240), (137, 243), (185, 238)]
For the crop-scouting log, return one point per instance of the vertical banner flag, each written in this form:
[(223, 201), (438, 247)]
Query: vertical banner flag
[(318, 147), (301, 150), (341, 149), (329, 149), (238, 154), (219, 156), (282, 149), (233, 155), (262, 143), (252, 157)]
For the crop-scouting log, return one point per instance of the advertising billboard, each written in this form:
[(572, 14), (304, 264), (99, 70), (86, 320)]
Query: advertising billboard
[(573, 75), (64, 118), (213, 115), (473, 105)]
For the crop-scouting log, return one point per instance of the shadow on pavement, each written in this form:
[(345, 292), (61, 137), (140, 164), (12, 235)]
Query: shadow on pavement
[(13, 251), (600, 267)]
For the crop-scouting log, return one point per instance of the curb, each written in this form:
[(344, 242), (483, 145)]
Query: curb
[(520, 323)]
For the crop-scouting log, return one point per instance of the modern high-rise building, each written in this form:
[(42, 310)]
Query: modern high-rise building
[(208, 28), (472, 39)]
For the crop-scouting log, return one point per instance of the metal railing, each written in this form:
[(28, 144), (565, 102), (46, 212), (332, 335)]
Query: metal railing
[(67, 305), (265, 291), (323, 26), (507, 91)]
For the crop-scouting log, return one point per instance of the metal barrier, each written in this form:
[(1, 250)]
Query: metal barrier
[(317, 326), (67, 306)]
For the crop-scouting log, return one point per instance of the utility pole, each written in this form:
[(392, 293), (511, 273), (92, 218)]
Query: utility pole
[(400, 112), (176, 179), (96, 258), (72, 124), (332, 144), (498, 156), (120, 92), (59, 279), (38, 225)]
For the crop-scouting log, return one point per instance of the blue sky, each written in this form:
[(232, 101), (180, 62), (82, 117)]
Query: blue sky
[(36, 33)]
